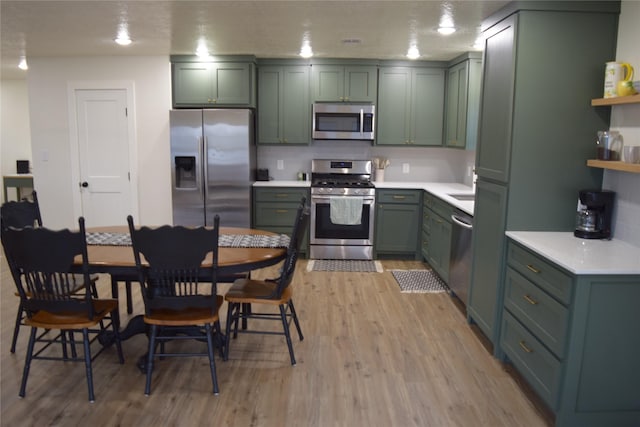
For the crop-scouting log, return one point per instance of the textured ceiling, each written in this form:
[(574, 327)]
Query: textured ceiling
[(385, 29)]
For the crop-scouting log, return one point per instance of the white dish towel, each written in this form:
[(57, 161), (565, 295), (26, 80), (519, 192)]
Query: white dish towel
[(345, 210)]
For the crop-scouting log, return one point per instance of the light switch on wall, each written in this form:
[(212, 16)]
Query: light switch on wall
[(280, 165), (405, 168)]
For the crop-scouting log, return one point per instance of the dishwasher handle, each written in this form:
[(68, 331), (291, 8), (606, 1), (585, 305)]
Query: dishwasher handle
[(461, 222)]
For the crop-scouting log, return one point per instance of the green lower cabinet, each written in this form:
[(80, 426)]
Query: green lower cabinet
[(274, 209), (398, 223), (436, 234), (486, 288), (574, 339)]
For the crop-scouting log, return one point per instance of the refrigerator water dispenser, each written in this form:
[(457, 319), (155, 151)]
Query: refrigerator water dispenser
[(186, 172)]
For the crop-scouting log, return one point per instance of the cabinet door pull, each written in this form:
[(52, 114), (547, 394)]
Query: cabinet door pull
[(530, 300), (532, 268), (523, 346), (281, 211)]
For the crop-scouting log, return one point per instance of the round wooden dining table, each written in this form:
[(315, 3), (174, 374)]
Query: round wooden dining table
[(118, 261)]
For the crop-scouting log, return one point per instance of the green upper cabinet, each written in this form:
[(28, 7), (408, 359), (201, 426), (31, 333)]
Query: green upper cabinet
[(213, 84), (344, 83), (284, 110), (410, 106), (464, 79)]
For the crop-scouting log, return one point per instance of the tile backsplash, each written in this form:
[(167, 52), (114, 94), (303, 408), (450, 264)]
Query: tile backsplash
[(626, 221), (408, 164)]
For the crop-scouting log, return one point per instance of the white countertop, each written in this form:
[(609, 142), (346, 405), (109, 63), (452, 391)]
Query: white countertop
[(581, 256), (291, 183), (438, 189)]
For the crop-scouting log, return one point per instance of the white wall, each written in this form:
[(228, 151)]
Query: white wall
[(626, 119), (48, 80), (15, 136)]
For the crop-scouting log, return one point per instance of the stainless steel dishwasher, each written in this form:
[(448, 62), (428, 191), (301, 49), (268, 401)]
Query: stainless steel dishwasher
[(460, 264)]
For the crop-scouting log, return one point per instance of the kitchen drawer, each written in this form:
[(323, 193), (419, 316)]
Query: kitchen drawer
[(280, 194), (541, 272), (540, 368), (398, 196), (428, 199), (275, 214), (545, 317), (438, 206), (443, 209)]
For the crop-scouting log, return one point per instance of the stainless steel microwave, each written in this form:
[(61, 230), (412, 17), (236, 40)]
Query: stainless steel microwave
[(343, 121)]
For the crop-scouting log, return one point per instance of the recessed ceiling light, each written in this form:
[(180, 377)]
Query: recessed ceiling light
[(23, 63), (123, 41), (413, 52), (306, 51), (123, 38), (202, 50), (446, 30)]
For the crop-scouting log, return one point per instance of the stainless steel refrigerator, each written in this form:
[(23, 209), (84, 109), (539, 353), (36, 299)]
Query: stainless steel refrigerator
[(213, 166)]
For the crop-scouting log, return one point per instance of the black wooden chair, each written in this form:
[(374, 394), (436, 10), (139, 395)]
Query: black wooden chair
[(42, 263), (180, 295), (21, 214), (275, 292)]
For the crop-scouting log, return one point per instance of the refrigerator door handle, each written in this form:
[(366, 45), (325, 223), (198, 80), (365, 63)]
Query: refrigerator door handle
[(203, 157)]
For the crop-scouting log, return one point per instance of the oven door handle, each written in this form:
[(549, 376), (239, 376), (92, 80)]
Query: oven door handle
[(365, 199)]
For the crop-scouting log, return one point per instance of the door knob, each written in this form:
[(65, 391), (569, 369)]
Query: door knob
[(84, 184)]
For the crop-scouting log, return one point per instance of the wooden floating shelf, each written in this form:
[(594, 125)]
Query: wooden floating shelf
[(618, 166), (619, 100)]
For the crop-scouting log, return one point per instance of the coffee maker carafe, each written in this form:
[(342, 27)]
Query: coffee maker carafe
[(594, 213)]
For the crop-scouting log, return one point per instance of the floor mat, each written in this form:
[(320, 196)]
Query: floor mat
[(419, 281), (344, 265)]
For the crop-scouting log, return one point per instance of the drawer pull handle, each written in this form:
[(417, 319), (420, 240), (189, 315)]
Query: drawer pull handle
[(280, 211), (398, 197), (282, 195), (530, 300), (532, 268), (523, 346)]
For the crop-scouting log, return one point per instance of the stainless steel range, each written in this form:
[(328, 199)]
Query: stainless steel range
[(342, 209)]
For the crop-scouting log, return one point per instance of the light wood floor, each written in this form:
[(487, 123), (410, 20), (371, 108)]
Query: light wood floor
[(371, 356)]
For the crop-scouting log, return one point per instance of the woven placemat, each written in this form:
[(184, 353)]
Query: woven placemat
[(361, 266), (225, 240), (419, 281)]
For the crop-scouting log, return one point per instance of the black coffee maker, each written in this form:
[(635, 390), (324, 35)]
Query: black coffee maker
[(594, 214)]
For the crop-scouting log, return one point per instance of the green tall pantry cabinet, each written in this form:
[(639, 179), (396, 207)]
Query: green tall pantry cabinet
[(543, 62)]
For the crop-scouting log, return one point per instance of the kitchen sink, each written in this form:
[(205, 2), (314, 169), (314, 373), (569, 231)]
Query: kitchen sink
[(463, 197)]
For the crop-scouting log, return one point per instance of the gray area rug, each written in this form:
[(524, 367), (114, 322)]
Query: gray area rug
[(419, 281), (344, 265)]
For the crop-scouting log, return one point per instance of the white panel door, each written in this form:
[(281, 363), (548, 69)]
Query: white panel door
[(103, 149)]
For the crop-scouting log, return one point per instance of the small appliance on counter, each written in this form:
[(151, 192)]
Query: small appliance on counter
[(594, 214), (262, 175)]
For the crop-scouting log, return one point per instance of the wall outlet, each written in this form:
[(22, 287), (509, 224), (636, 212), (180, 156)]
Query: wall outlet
[(405, 168), (280, 165)]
